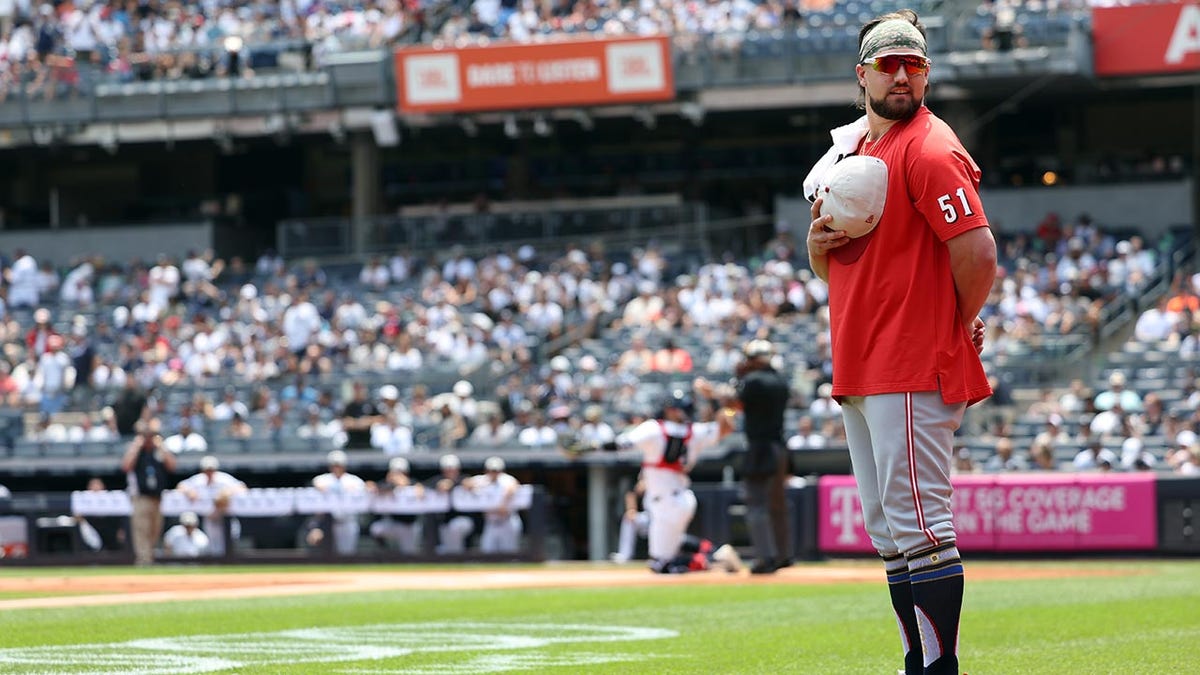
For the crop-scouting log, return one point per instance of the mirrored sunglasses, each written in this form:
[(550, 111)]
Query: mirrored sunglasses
[(913, 65)]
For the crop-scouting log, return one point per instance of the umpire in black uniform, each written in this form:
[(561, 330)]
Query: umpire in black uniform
[(764, 393)]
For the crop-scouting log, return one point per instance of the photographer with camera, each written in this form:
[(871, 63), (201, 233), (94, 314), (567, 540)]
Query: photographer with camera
[(147, 466)]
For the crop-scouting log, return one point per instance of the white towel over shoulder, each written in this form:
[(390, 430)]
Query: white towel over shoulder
[(845, 142)]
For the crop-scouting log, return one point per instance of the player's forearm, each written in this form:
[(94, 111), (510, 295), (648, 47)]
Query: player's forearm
[(819, 265), (973, 265)]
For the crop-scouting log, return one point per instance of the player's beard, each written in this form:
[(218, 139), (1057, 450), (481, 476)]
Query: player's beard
[(898, 108)]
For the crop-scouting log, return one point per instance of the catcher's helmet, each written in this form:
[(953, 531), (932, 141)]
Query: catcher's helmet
[(679, 399)]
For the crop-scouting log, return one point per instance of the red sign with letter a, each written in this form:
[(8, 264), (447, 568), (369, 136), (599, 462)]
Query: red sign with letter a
[(1151, 39)]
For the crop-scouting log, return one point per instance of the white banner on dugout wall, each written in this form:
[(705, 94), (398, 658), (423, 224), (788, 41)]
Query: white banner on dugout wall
[(411, 501), (312, 500), (100, 503), (175, 502), (263, 503), (490, 499), (270, 502)]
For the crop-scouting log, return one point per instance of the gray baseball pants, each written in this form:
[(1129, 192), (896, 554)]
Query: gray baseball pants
[(901, 448)]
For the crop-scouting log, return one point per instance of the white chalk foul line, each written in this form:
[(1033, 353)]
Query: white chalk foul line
[(477, 647)]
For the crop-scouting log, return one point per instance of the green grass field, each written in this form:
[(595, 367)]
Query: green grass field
[(1143, 617)]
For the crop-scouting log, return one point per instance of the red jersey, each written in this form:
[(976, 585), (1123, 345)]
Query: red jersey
[(893, 311)]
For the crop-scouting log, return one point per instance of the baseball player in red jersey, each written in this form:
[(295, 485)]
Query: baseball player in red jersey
[(904, 301)]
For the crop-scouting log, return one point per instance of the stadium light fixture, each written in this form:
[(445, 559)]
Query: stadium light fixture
[(469, 127), (540, 126), (510, 126)]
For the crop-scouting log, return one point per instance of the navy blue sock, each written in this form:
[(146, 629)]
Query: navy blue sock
[(936, 575), (900, 590)]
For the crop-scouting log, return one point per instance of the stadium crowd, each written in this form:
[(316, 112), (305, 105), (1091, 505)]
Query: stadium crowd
[(60, 48), (407, 353)]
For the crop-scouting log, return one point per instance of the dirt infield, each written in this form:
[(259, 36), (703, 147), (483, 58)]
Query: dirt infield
[(134, 588)]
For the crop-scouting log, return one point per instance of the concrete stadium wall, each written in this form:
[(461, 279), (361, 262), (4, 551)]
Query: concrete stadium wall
[(62, 245), (1149, 207)]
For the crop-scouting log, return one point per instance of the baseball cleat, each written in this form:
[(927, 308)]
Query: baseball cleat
[(729, 558)]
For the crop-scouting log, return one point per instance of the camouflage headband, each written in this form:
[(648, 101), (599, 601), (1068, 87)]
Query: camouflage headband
[(891, 35)]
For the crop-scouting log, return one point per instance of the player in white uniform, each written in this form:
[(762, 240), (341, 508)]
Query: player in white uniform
[(399, 531), (670, 447), (635, 523), (501, 526), (220, 487), (186, 540), (454, 527), (338, 481)]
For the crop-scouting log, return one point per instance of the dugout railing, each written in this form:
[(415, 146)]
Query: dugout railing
[(1063, 513), (48, 528)]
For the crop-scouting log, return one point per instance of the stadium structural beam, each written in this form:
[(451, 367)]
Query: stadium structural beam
[(364, 191)]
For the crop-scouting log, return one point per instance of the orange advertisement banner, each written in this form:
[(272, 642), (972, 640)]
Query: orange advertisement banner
[(1150, 39), (511, 76)]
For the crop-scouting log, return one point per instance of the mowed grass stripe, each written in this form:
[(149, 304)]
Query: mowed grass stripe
[(1141, 622)]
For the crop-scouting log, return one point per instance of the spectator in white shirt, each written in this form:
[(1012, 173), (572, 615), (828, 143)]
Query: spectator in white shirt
[(400, 267), (162, 284), (1094, 457), (404, 356), (491, 433), (314, 427), (1135, 457), (186, 440), (724, 357), (55, 376), (375, 275), (87, 431), (595, 431), (538, 434), (824, 405), (806, 436), (465, 403), (1155, 324), (1117, 394), (77, 286), (301, 322), (644, 309), (22, 279), (392, 437), (506, 334), (1005, 458), (229, 406), (47, 280)]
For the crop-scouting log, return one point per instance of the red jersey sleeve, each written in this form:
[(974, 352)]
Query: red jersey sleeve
[(943, 182)]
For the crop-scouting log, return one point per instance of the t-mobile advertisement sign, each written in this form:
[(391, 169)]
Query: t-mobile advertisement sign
[(1017, 512)]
